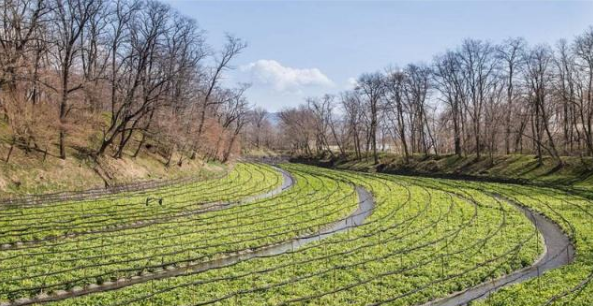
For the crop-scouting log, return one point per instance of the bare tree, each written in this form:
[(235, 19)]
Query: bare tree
[(510, 52), (68, 21), (321, 111), (238, 116), (233, 47), (65, 63), (566, 94), (478, 68), (417, 86), (395, 85), (353, 112), (583, 51), (478, 97), (371, 87), (21, 23), (538, 78), (258, 118), (450, 83)]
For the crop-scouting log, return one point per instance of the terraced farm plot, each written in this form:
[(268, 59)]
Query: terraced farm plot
[(307, 235)]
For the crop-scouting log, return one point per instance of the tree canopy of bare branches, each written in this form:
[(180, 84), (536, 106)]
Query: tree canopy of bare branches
[(476, 98), (116, 73)]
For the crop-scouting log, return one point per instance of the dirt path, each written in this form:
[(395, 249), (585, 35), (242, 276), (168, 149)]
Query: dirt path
[(366, 205), (558, 251)]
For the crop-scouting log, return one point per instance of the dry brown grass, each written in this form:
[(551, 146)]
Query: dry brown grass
[(28, 172)]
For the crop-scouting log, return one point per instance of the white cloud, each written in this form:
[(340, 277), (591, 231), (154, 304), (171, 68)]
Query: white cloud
[(351, 83), (282, 78)]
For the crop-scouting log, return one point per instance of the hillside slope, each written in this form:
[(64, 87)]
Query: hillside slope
[(34, 172), (31, 175), (575, 171)]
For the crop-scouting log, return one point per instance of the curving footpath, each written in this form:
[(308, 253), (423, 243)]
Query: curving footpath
[(558, 251), (365, 207)]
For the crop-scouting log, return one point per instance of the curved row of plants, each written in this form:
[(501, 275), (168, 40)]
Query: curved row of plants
[(423, 241), (92, 259), (210, 172), (568, 285), (19, 225)]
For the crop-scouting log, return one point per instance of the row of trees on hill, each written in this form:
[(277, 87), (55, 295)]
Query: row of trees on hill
[(478, 98), (108, 77)]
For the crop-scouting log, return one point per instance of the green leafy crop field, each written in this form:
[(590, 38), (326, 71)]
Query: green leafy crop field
[(248, 238)]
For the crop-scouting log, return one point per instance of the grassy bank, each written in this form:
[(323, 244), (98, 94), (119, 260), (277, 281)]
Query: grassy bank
[(32, 175), (26, 170), (574, 172)]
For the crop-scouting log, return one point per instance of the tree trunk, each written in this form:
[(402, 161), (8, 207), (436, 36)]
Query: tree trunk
[(10, 150), (142, 140), (456, 129), (63, 108)]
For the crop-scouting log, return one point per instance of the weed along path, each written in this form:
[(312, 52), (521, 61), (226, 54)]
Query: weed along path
[(364, 209), (557, 251)]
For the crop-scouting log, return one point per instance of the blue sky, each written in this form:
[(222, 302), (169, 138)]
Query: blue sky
[(306, 48)]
